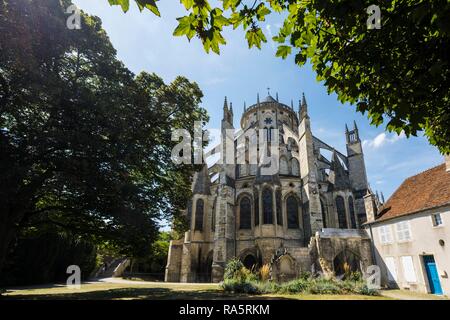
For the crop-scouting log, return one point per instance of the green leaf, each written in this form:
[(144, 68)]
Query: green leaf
[(232, 4), (187, 3), (150, 5), (262, 11), (283, 51), (185, 26), (125, 4), (254, 37)]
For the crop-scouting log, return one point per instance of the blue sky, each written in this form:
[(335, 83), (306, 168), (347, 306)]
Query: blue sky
[(145, 42)]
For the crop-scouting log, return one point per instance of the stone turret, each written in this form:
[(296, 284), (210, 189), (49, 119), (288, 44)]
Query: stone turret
[(356, 169), (308, 172), (370, 204), (224, 210)]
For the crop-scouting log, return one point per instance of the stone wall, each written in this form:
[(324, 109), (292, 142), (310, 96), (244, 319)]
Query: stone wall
[(173, 267)]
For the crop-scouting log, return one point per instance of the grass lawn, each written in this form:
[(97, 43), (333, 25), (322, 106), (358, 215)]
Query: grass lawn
[(154, 290)]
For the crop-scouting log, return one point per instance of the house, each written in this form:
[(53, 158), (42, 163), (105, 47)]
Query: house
[(411, 232)]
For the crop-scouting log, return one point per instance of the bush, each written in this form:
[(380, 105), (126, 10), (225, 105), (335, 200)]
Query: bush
[(323, 286), (305, 275), (237, 286), (355, 276), (239, 279), (296, 286), (233, 269)]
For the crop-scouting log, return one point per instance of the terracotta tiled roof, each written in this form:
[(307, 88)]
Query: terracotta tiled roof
[(425, 190)]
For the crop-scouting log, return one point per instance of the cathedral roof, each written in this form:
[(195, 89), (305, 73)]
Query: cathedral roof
[(269, 98), (426, 190), (201, 182)]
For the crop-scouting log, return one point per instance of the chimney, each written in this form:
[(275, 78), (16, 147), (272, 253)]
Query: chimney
[(447, 163)]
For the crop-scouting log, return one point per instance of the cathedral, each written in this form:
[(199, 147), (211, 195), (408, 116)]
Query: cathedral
[(306, 216)]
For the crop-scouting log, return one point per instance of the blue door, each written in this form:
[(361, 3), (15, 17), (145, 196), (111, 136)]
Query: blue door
[(432, 274)]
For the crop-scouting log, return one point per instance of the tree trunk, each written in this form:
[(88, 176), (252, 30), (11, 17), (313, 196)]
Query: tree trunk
[(6, 237)]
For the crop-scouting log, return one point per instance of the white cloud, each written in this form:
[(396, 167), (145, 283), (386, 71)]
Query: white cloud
[(382, 139), (269, 31)]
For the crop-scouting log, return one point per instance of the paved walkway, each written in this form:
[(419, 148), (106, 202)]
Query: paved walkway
[(410, 295), (125, 281)]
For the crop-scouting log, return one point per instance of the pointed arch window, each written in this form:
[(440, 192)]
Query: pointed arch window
[(295, 167), (324, 213), (284, 170), (340, 208), (292, 212), (199, 211), (278, 207), (213, 217), (352, 212), (256, 208), (267, 199), (245, 211)]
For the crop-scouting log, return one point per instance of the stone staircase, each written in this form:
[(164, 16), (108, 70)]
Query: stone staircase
[(115, 269)]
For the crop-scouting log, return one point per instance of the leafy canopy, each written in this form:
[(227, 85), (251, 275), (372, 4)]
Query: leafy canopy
[(398, 74), (85, 144)]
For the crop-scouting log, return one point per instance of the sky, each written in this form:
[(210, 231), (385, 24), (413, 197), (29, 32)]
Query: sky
[(144, 42)]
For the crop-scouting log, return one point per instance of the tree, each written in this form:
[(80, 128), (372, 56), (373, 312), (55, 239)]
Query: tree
[(398, 74), (84, 144)]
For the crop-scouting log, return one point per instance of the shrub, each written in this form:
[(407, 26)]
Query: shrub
[(305, 275), (233, 269), (268, 287), (355, 276), (264, 272), (323, 286), (296, 286), (237, 286), (361, 288)]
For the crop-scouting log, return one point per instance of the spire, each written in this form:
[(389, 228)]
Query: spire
[(355, 130), (303, 99), (303, 108), (382, 197), (231, 107), (257, 98), (245, 106), (347, 134), (277, 97), (292, 104), (225, 104)]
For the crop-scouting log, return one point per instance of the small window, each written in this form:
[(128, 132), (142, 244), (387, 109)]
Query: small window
[(403, 231), (385, 234), (408, 269), (437, 219)]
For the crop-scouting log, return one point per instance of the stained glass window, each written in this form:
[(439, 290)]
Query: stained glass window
[(340, 207), (292, 212), (245, 210), (267, 198), (352, 212), (199, 215)]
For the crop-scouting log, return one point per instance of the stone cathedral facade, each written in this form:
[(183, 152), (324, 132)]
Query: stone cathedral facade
[(305, 217)]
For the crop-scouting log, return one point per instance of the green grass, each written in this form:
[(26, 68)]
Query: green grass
[(154, 290)]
